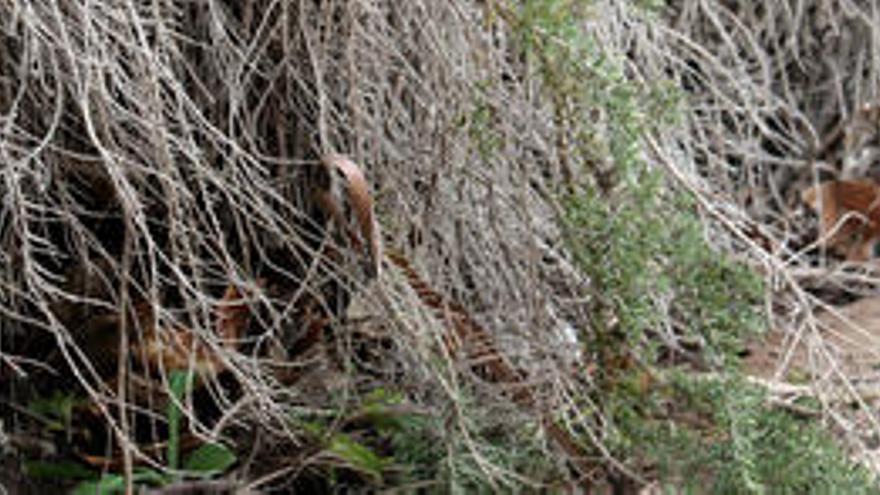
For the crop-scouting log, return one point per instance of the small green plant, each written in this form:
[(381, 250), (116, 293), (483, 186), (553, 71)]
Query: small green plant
[(56, 411), (467, 450), (179, 383), (358, 456), (208, 460), (364, 425), (110, 484), (388, 443), (744, 445)]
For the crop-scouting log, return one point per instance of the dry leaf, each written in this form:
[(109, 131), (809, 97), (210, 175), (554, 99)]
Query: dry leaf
[(849, 214)]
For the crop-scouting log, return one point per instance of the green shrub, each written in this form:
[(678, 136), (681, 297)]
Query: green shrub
[(655, 280)]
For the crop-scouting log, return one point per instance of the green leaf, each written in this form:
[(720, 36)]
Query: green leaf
[(58, 470), (380, 409), (107, 485), (149, 477), (210, 459), (358, 456), (178, 382), (56, 412), (59, 405), (313, 428), (115, 483)]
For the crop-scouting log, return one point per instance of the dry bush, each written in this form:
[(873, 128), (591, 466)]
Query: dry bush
[(155, 154)]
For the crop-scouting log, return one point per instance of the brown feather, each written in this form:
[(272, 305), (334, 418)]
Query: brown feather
[(362, 204)]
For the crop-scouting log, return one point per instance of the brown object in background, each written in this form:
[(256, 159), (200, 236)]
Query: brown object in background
[(856, 204), (179, 347)]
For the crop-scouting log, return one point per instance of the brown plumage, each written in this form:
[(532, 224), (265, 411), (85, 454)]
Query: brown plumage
[(465, 336), (179, 347), (367, 239)]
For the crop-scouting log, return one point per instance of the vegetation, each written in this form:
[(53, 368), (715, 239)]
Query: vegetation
[(583, 206)]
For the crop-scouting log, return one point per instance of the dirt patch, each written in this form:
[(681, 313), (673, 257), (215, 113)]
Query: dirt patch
[(844, 342)]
